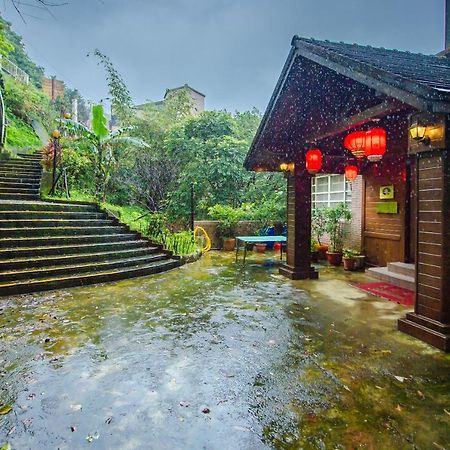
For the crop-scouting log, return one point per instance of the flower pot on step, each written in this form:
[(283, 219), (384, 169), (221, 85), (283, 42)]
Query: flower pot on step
[(229, 244), (360, 262), (334, 258), (349, 263)]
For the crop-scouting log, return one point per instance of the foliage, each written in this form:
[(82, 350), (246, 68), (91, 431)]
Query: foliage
[(228, 218), (19, 134), (314, 245), (121, 102), (350, 253), (336, 217), (27, 102), (105, 146), (19, 56), (65, 104), (318, 223), (6, 47), (5, 154)]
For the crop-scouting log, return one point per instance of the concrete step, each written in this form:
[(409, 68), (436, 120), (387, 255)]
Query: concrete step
[(397, 279), (12, 185), (64, 281), (12, 255), (18, 196), (91, 266), (402, 268), (21, 190), (55, 215), (14, 179), (21, 163), (48, 206), (49, 241), (60, 231), (54, 223)]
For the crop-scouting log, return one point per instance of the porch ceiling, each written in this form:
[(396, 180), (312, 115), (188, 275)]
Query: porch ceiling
[(322, 93)]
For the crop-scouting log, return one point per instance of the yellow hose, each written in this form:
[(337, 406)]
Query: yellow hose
[(199, 231)]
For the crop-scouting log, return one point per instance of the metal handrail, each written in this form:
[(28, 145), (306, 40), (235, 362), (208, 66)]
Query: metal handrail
[(11, 69)]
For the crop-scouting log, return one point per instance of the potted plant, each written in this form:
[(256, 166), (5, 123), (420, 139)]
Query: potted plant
[(318, 229), (336, 218), (228, 218), (360, 261), (260, 247), (314, 251), (349, 259)]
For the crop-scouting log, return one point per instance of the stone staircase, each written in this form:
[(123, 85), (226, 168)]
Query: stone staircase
[(52, 245), (397, 273)]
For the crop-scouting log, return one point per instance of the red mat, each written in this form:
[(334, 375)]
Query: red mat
[(388, 291)]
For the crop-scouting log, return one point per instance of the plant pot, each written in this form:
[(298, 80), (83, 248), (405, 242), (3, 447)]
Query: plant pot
[(260, 248), (229, 244), (349, 263), (322, 250), (334, 258), (360, 261), (315, 256)]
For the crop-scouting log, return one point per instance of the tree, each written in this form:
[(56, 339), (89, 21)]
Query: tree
[(107, 147), (19, 56)]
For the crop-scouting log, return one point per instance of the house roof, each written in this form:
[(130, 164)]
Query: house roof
[(185, 86), (420, 81), (428, 70)]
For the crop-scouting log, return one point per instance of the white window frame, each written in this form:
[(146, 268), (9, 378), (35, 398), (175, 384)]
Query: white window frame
[(345, 189)]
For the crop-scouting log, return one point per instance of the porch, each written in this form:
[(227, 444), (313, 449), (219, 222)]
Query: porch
[(328, 90)]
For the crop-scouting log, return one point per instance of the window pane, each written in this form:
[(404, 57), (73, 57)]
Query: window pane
[(337, 182), (338, 197)]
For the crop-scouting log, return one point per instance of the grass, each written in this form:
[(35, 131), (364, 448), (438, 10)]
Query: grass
[(20, 135)]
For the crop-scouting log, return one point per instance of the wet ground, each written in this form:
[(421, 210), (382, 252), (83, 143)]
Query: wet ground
[(216, 356)]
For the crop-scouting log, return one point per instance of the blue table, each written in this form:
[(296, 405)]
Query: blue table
[(258, 239)]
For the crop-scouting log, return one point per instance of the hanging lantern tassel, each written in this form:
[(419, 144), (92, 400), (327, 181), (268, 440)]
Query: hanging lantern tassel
[(375, 144), (313, 161), (351, 172), (356, 143)]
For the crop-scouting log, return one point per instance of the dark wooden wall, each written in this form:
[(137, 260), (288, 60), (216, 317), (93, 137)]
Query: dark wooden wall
[(385, 234)]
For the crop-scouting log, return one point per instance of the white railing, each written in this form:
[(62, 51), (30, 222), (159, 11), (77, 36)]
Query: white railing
[(11, 69)]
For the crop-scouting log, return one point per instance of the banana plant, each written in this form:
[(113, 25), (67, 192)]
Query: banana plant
[(104, 144)]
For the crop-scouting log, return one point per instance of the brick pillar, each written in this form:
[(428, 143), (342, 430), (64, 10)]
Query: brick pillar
[(298, 265), (431, 318)]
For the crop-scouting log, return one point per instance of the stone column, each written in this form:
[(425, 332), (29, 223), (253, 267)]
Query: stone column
[(298, 265), (430, 321)]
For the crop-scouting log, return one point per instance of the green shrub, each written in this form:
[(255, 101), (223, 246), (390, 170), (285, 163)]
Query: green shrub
[(19, 134)]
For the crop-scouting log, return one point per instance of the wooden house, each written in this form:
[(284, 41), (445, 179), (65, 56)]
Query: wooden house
[(326, 91)]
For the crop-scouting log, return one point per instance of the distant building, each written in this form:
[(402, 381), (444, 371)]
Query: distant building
[(196, 97), (53, 88)]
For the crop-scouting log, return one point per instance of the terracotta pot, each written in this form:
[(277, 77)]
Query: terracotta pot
[(229, 244), (349, 263), (261, 248), (315, 256), (335, 259), (322, 250)]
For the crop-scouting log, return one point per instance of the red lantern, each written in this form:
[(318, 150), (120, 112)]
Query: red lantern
[(375, 144), (313, 161), (356, 143), (351, 172)]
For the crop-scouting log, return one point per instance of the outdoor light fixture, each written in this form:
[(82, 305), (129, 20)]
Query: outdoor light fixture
[(418, 131), (375, 144), (56, 134), (287, 167), (351, 172), (356, 143), (67, 115), (313, 161)]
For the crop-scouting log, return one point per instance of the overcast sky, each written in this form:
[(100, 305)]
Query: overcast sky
[(231, 50)]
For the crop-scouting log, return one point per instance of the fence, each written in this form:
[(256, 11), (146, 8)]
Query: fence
[(11, 69)]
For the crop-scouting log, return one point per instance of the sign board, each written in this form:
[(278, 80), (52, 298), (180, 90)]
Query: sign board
[(387, 192)]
